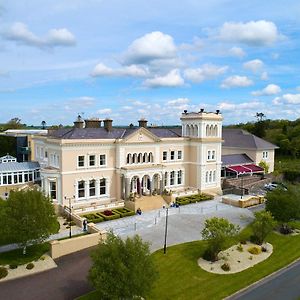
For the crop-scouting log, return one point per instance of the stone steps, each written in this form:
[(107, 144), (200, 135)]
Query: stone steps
[(146, 203)]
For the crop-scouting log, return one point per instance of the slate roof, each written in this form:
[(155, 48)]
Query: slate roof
[(239, 138), (236, 159), (17, 167), (116, 133)]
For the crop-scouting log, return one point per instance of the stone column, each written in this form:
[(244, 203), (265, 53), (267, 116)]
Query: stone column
[(127, 188), (141, 187), (86, 189), (161, 187), (97, 187), (151, 186)]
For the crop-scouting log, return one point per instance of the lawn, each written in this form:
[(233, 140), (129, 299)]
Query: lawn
[(16, 257), (181, 278)]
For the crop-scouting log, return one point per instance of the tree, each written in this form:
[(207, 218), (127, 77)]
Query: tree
[(217, 231), (122, 269), (262, 225), (264, 165), (30, 217), (284, 204)]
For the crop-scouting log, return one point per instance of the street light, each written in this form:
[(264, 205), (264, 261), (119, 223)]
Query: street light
[(242, 186), (70, 217), (166, 231)]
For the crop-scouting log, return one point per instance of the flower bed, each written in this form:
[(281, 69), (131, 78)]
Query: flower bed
[(109, 215), (193, 199), (124, 212)]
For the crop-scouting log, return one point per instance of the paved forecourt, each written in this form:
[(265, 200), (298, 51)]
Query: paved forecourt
[(184, 223)]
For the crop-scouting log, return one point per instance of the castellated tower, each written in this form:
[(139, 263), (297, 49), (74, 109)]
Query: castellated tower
[(204, 132)]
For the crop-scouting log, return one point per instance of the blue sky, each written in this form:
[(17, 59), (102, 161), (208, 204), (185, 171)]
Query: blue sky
[(153, 59)]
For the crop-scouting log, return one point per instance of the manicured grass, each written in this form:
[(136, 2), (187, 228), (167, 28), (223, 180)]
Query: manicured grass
[(16, 257), (182, 278)]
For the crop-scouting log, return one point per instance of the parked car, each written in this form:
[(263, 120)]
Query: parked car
[(274, 185)]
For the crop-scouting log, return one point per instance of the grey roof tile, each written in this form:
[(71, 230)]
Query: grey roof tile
[(236, 159), (16, 167)]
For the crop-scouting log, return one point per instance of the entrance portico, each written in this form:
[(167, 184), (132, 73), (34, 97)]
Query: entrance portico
[(142, 181)]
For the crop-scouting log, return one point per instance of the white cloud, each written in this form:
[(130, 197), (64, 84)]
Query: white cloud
[(104, 111), (172, 79), (288, 99), (132, 70), (253, 33), (178, 102), (228, 106), (206, 72), (236, 81), (20, 33), (151, 46), (270, 89), (253, 65), (237, 51), (264, 76), (82, 101)]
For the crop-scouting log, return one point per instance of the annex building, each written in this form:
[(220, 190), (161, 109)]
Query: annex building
[(97, 164)]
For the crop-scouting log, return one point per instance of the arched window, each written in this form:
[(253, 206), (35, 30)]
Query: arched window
[(145, 156), (166, 179), (206, 177), (207, 130), (129, 158), (150, 157), (214, 176), (134, 158), (188, 130), (140, 158), (213, 154), (216, 130), (210, 176)]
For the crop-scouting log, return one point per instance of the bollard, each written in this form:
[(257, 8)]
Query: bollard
[(216, 207), (159, 213), (155, 221), (135, 226)]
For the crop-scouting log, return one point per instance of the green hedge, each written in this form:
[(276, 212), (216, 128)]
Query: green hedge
[(93, 218), (193, 199), (124, 212)]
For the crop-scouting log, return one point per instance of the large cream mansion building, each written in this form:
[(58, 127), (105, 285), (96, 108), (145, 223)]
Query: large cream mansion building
[(94, 164)]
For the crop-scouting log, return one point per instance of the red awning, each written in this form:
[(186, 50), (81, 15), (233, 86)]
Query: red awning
[(244, 169), (239, 169), (254, 168)]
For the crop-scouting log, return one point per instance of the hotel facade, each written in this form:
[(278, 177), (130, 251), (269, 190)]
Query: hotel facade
[(96, 165)]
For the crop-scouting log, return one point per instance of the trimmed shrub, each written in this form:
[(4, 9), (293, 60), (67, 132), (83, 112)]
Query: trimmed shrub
[(225, 267), (254, 250), (3, 272), (193, 199), (94, 218), (124, 212), (109, 216), (240, 248), (30, 266), (13, 266)]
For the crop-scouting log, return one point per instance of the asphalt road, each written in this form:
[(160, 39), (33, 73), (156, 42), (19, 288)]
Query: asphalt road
[(66, 282), (283, 285)]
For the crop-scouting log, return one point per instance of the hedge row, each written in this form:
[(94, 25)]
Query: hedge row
[(115, 214), (193, 199)]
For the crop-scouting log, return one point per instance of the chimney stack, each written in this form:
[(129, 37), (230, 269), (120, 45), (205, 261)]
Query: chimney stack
[(108, 124), (143, 123), (93, 123), (201, 110), (217, 111), (79, 123)]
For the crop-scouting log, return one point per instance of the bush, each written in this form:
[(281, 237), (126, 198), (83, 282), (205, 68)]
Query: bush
[(93, 218), (13, 266), (254, 250), (264, 249), (193, 199), (240, 248), (3, 272), (225, 267), (30, 266), (124, 212), (110, 216), (285, 229)]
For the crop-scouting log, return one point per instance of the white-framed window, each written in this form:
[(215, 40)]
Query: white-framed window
[(213, 154), (102, 186), (80, 161), (179, 177), (165, 155), (102, 160), (179, 154), (81, 189), (214, 176), (172, 178), (52, 188), (265, 154), (172, 155), (208, 155), (92, 188), (210, 176), (166, 179), (92, 160), (206, 177)]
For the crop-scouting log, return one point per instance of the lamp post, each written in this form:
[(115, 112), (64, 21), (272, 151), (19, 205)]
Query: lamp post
[(166, 231), (70, 217)]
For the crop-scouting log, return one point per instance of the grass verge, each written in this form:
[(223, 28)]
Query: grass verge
[(182, 278), (16, 257)]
